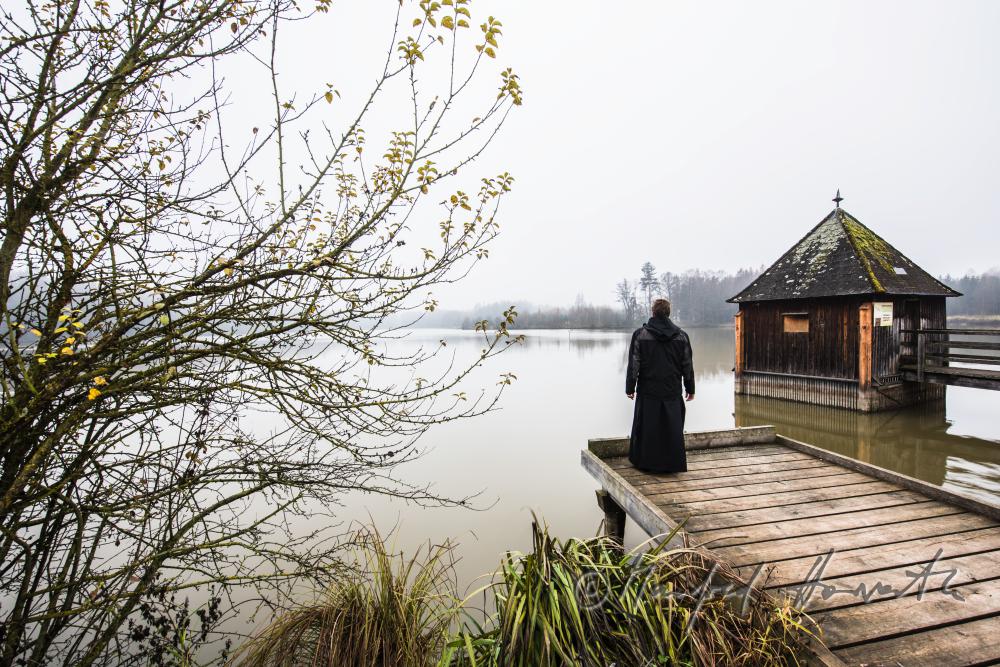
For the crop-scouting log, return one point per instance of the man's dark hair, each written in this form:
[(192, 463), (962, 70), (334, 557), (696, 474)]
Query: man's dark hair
[(661, 308)]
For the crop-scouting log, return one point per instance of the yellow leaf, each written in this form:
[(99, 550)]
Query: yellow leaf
[(41, 360), (93, 393), (448, 22), (70, 340), (100, 381), (228, 270), (67, 351), (164, 319), (36, 332), (490, 52), (329, 97), (78, 325)]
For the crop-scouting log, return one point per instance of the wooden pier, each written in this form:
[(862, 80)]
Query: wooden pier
[(894, 570), (938, 349)]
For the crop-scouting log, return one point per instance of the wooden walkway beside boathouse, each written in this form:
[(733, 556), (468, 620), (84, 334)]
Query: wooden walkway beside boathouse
[(894, 570)]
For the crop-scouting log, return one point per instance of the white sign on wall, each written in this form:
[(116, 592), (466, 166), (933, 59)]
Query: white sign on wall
[(883, 314)]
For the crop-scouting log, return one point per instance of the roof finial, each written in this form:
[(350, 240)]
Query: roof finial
[(838, 198)]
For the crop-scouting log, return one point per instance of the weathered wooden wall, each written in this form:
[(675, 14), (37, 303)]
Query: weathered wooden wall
[(830, 349)]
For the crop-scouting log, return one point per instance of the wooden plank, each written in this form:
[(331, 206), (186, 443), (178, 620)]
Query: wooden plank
[(745, 435), (830, 593), (870, 559), (965, 644), (886, 516), (955, 380), (736, 452), (648, 483), (738, 502), (963, 344), (622, 462), (723, 466), (814, 545), (640, 477), (964, 372), (929, 490), (698, 521), (965, 358), (754, 492), (899, 616), (960, 332)]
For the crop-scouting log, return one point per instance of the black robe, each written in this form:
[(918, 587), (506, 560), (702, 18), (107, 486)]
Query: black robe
[(659, 359)]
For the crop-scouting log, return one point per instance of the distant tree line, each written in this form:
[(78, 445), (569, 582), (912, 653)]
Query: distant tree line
[(980, 294), (697, 297), (580, 315)]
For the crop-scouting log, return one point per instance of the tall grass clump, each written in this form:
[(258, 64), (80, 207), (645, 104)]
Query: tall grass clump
[(572, 603), (586, 602), (386, 611)]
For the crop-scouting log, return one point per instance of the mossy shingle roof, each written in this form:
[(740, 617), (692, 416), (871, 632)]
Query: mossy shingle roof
[(838, 257)]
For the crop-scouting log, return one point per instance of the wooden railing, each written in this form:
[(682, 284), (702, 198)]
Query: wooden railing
[(939, 350)]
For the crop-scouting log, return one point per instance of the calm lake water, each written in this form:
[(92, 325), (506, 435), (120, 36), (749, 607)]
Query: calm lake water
[(525, 457)]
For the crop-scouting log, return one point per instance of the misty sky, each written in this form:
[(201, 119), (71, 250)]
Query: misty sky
[(713, 135)]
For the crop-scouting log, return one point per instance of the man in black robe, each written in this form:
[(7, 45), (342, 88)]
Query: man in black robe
[(659, 358)]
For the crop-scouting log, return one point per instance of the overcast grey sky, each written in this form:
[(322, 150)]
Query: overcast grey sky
[(714, 134)]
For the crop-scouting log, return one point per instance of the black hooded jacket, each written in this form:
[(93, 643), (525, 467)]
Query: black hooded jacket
[(659, 357)]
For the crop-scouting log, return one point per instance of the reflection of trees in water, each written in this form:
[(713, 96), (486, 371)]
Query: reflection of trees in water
[(713, 346), (913, 441), (582, 342)]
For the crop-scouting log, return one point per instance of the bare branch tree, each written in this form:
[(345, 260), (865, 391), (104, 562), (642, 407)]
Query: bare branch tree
[(160, 280), (625, 295)]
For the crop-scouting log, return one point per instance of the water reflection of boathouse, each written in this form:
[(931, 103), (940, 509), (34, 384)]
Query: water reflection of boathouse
[(913, 441)]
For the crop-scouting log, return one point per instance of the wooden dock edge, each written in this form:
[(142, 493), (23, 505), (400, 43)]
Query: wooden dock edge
[(649, 517), (605, 448), (930, 490)]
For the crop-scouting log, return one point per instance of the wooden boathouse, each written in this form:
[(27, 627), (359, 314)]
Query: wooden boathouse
[(893, 570), (830, 321)]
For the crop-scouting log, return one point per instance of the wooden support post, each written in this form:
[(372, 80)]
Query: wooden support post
[(614, 516), (921, 354), (738, 368), (865, 340), (865, 346)]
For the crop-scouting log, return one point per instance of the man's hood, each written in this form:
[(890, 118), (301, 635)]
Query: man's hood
[(662, 328)]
